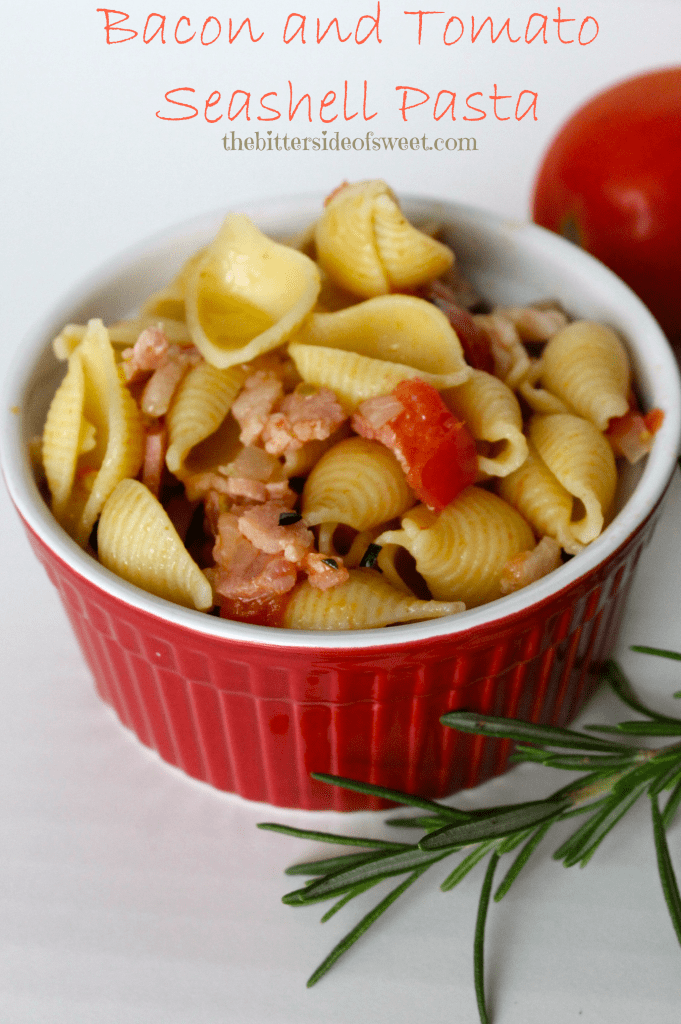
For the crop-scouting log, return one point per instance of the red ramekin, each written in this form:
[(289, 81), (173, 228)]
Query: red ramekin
[(254, 710)]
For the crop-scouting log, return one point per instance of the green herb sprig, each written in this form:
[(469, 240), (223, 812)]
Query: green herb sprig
[(616, 775)]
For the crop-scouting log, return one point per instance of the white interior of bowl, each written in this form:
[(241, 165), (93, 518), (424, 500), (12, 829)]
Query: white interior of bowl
[(508, 262)]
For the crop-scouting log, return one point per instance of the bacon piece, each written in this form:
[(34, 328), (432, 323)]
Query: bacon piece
[(324, 572), (632, 435), (533, 323), (302, 417), (260, 525), (529, 566), (155, 447), (259, 395), (243, 571), (147, 354)]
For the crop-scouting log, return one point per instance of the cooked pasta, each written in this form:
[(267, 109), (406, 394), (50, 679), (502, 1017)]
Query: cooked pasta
[(366, 245), (586, 366), (492, 413), (358, 483), (247, 294), (461, 553), (364, 601), (317, 436), (138, 542)]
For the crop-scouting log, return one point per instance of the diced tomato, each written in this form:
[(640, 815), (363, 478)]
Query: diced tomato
[(438, 449), (262, 611)]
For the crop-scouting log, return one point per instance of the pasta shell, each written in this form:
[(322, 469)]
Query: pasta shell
[(535, 492), (353, 377), (366, 245), (398, 328), (117, 430), (492, 414), (247, 294), (586, 365), (61, 436), (461, 553), (364, 601), (204, 398), (582, 460), (357, 482), (137, 541)]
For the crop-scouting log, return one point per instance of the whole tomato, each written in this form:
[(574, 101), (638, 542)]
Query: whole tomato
[(611, 181)]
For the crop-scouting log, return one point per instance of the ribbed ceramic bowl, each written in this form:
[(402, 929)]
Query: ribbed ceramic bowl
[(254, 710)]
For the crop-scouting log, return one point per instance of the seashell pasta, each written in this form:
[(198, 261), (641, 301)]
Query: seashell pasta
[(306, 436)]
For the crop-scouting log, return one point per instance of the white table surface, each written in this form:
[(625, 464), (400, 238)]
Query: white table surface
[(129, 893)]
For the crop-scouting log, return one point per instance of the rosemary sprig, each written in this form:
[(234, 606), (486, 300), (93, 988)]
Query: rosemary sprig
[(616, 774)]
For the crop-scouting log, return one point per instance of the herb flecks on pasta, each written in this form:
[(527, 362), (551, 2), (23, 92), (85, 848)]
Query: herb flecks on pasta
[(334, 433)]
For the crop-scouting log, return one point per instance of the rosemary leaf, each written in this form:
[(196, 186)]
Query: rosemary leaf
[(664, 863), (381, 865), (364, 887), (659, 727), (672, 805), (328, 864), (327, 837), (622, 687), (498, 823), (675, 655), (393, 795), (466, 865), (668, 779), (363, 925), (526, 732), (521, 860), (600, 824), (479, 939)]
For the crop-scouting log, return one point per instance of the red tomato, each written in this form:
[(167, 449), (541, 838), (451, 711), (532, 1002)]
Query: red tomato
[(438, 449), (611, 181)]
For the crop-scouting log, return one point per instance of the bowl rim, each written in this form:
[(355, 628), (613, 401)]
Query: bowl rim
[(657, 472)]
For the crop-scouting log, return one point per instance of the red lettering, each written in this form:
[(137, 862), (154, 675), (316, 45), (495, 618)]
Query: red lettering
[(540, 31), (334, 21), (444, 34), (450, 105), (581, 29), (506, 25), (326, 102), (246, 21), (348, 117), (532, 107), (494, 98), (189, 106), (112, 26), (374, 26), (205, 26), (210, 102), (562, 21), (272, 110), (292, 111), (420, 14), (367, 117), (244, 105), (477, 110), (405, 107), (300, 29), (189, 25), (161, 28)]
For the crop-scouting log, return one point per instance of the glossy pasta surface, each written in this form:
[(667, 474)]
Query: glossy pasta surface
[(337, 433)]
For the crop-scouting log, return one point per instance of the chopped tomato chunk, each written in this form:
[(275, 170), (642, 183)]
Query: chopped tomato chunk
[(438, 450)]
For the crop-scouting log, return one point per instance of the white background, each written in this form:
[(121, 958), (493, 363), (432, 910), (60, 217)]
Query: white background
[(128, 893)]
